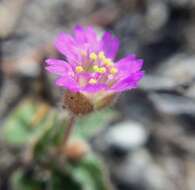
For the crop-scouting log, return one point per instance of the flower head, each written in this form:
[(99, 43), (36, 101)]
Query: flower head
[(89, 70), (89, 64)]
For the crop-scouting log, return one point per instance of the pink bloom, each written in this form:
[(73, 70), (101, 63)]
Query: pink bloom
[(89, 66)]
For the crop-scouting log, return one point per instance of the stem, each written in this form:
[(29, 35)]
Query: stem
[(68, 130)]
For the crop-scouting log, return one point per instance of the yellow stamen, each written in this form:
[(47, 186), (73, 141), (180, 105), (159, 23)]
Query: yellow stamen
[(113, 70), (79, 69), (95, 68), (101, 55), (92, 81), (99, 69), (93, 56), (102, 70), (107, 62)]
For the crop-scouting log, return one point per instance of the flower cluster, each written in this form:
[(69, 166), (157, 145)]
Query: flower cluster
[(89, 66)]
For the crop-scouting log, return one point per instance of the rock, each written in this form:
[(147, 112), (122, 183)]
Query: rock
[(190, 174), (154, 82), (176, 171), (7, 22), (128, 135), (100, 17), (10, 93), (122, 138), (173, 104), (35, 32), (182, 3), (58, 15), (190, 92), (179, 67), (139, 171), (189, 35), (27, 60), (157, 14), (129, 34)]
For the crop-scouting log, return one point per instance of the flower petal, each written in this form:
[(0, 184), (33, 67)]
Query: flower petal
[(91, 35), (128, 83), (58, 67), (85, 35), (77, 50), (67, 82), (63, 40), (80, 34), (66, 45), (86, 38), (129, 64), (110, 45), (92, 88)]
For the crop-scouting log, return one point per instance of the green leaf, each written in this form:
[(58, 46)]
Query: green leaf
[(27, 122), (59, 180), (87, 126), (21, 182), (91, 173)]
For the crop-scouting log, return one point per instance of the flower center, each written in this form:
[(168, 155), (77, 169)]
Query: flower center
[(96, 68)]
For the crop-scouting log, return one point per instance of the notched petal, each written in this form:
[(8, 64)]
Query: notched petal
[(110, 45), (68, 83), (58, 67), (128, 83)]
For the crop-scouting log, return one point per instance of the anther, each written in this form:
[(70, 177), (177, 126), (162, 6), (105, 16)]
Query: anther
[(93, 56), (107, 62), (102, 70), (113, 70), (79, 69), (92, 81), (95, 68), (101, 55)]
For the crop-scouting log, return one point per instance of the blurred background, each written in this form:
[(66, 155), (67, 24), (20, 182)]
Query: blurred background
[(150, 144)]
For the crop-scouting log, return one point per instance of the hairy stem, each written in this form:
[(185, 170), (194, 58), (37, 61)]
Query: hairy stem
[(68, 130)]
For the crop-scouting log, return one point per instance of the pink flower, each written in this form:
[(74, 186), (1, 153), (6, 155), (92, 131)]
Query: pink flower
[(89, 64)]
